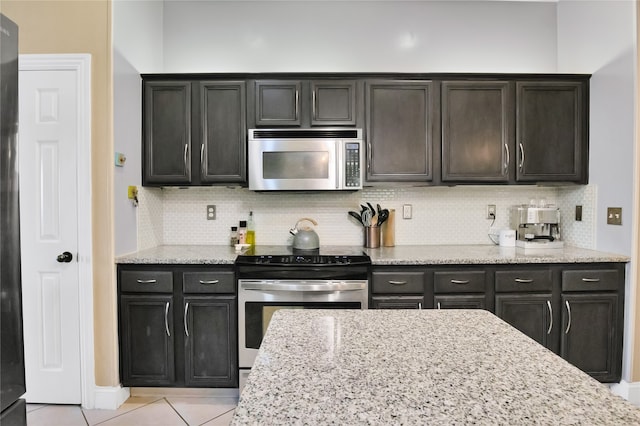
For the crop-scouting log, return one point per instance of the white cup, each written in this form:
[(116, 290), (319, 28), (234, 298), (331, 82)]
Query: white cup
[(507, 238)]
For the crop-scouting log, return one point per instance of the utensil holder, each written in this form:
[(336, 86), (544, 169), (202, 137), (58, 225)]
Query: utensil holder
[(389, 230), (371, 236)]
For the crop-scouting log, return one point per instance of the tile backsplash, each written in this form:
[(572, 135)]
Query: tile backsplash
[(441, 215)]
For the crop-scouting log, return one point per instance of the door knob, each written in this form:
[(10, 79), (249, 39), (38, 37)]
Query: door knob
[(64, 257)]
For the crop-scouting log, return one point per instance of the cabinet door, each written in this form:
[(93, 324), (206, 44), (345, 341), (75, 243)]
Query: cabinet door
[(210, 341), (551, 131), (146, 340), (278, 102), (459, 301), (223, 129), (476, 131), (397, 302), (590, 338), (532, 314), (399, 117), (333, 103), (166, 133)]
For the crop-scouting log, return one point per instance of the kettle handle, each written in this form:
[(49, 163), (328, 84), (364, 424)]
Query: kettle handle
[(308, 219)]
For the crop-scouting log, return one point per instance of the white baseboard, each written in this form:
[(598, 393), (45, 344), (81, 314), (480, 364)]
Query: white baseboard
[(110, 397), (629, 391)]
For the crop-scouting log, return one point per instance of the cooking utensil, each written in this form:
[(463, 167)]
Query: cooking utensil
[(356, 216), (383, 216), (366, 217), (373, 211), (305, 238), (379, 209)]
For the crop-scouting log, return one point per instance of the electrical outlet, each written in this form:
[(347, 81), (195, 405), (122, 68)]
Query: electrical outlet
[(211, 212), (578, 213), (406, 211), (614, 215), (491, 211)]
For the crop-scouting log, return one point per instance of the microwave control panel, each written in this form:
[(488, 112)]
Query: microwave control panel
[(352, 165)]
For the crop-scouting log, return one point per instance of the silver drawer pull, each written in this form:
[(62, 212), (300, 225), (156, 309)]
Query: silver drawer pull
[(523, 281), (566, 331), (209, 282), (186, 324), (550, 317), (591, 280), (147, 281), (166, 319), (459, 281), (397, 282), (438, 305)]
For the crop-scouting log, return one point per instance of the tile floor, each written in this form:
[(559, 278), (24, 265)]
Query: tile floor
[(139, 411)]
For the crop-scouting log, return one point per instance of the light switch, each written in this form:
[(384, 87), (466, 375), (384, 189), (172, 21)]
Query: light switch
[(614, 215)]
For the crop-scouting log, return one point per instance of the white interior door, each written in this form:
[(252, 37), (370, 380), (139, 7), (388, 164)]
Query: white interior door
[(48, 140)]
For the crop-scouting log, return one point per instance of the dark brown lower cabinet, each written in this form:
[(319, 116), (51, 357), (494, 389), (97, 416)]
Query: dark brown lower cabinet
[(147, 340), (397, 302), (532, 314), (459, 301), (589, 335), (178, 326)]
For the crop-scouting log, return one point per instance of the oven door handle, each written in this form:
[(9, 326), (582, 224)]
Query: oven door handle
[(302, 285)]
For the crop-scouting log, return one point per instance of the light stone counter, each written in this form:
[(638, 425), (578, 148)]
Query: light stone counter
[(485, 254), (388, 367), (399, 255)]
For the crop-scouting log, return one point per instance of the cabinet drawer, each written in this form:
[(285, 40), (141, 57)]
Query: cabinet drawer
[(459, 282), (398, 282), (146, 281), (397, 302), (208, 282), (587, 280), (524, 280)]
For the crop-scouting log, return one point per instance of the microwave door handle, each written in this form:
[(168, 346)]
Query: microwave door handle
[(339, 161)]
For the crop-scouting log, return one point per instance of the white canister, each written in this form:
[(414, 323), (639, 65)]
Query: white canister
[(507, 238)]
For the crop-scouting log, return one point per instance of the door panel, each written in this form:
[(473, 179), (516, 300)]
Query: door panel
[(532, 314), (48, 197)]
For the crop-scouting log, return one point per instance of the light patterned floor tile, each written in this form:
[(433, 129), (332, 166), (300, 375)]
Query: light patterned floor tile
[(197, 411), (223, 420), (135, 402), (33, 407), (159, 413), (56, 415)]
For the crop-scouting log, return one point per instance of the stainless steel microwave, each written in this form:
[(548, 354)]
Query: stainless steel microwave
[(305, 159)]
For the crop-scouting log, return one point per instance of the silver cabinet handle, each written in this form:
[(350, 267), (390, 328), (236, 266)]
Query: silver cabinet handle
[(566, 302), (209, 282), (420, 305), (166, 319), (296, 105), (459, 281), (146, 281), (523, 281), (438, 305), (507, 159), (521, 165), (313, 104), (397, 282), (550, 317), (591, 280), (369, 157), (202, 168), (186, 325), (186, 151)]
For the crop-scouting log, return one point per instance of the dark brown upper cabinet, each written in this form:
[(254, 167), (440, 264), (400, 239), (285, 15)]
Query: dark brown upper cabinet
[(278, 102), (399, 116), (166, 132), (194, 133), (333, 103), (305, 103), (477, 131), (552, 131)]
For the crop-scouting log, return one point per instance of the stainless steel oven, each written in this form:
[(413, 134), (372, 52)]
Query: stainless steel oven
[(268, 282)]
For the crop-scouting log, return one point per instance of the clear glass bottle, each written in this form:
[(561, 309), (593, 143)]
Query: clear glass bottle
[(242, 232), (233, 238), (251, 230)]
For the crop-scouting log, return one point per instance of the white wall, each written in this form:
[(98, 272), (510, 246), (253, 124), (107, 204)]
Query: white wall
[(598, 37), (359, 36), (137, 48)]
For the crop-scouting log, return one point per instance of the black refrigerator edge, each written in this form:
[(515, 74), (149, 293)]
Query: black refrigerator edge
[(12, 381)]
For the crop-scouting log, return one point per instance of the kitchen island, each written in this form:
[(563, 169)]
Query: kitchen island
[(416, 367)]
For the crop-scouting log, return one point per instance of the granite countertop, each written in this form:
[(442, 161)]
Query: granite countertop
[(399, 255), (383, 367)]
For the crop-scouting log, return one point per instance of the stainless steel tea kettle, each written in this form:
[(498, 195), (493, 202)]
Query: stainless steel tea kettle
[(304, 237)]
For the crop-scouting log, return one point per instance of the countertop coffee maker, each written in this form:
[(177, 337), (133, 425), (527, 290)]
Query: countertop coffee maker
[(537, 226)]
